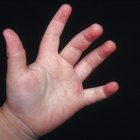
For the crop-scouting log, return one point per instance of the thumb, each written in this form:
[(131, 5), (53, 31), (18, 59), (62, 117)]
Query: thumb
[(15, 52)]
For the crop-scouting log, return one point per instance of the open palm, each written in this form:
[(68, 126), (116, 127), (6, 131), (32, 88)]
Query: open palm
[(46, 93)]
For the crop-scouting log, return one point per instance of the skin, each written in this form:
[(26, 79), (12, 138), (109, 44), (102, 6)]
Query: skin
[(44, 94)]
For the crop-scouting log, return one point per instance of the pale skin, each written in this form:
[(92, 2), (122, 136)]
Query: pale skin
[(46, 93)]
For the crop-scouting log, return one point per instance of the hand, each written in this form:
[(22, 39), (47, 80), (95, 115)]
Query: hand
[(45, 94)]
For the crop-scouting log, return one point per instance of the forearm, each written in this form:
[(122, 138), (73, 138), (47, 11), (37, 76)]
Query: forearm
[(13, 128)]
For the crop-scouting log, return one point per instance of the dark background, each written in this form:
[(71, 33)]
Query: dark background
[(116, 117)]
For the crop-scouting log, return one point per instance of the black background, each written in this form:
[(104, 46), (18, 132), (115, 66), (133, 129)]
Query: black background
[(115, 117)]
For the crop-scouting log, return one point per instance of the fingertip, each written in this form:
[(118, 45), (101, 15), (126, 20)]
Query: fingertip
[(97, 28), (107, 49), (7, 33), (66, 9), (93, 32), (114, 85), (63, 13), (111, 88), (66, 6), (111, 45)]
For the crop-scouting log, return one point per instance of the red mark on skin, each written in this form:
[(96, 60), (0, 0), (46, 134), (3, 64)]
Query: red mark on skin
[(111, 88), (63, 13), (94, 31), (106, 49)]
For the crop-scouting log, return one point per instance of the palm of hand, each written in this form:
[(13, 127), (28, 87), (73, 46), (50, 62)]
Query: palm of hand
[(49, 91), (58, 101)]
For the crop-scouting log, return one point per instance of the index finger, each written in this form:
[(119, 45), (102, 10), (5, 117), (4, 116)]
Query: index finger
[(55, 28)]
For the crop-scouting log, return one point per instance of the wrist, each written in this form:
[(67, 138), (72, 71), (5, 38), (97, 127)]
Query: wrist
[(13, 128)]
